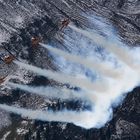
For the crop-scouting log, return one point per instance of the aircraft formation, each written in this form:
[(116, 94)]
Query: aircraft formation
[(35, 40)]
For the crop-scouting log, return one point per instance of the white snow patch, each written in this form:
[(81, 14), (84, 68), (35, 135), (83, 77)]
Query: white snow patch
[(6, 135), (19, 20), (63, 126), (66, 3), (4, 37), (21, 131), (5, 119)]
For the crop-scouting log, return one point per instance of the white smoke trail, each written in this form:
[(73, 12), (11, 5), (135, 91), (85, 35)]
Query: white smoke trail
[(101, 105), (51, 92), (123, 54), (84, 119), (99, 66), (81, 82), (101, 109)]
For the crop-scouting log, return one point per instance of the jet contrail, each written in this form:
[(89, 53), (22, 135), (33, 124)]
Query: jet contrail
[(99, 66), (122, 53), (83, 83), (51, 92)]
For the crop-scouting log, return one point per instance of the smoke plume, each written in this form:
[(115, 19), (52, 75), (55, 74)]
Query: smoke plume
[(105, 90)]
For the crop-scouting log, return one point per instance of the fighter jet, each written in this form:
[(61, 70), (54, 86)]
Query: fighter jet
[(64, 23), (8, 59), (35, 41)]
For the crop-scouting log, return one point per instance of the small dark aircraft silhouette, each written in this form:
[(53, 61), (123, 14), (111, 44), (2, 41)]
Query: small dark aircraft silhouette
[(64, 23), (35, 41), (8, 59)]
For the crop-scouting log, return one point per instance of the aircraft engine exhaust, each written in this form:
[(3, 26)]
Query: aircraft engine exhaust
[(103, 81)]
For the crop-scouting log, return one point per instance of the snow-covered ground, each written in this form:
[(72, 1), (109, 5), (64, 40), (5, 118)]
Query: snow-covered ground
[(5, 119), (5, 135), (17, 14)]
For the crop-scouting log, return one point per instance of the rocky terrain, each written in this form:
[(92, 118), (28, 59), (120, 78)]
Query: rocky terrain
[(19, 21)]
